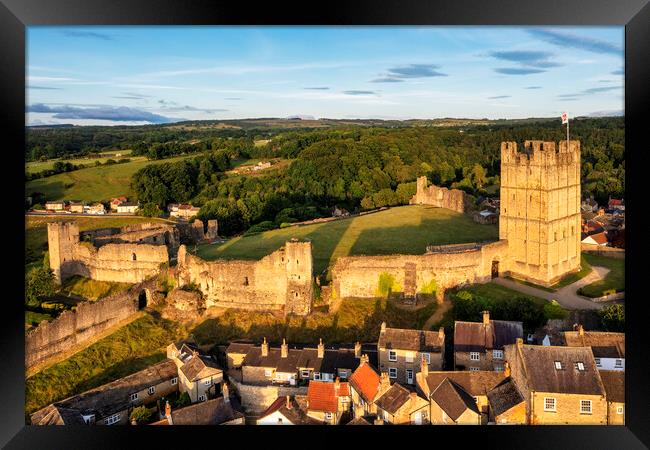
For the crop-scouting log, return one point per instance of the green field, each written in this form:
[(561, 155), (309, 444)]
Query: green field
[(93, 183), (497, 292), (36, 230), (37, 166), (133, 347), (405, 230), (614, 281)]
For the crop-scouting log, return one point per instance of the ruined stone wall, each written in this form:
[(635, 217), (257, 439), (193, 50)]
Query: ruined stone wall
[(540, 209), (358, 276), (441, 197), (74, 327), (125, 261), (255, 399), (281, 281)]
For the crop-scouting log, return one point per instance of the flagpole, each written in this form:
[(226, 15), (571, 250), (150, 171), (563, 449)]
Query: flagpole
[(567, 133)]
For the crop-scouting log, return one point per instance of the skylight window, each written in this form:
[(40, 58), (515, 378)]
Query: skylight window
[(580, 366), (558, 365)]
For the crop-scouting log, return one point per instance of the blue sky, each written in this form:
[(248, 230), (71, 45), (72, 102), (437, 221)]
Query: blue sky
[(136, 75)]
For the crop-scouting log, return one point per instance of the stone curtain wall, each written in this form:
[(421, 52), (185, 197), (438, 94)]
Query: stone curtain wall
[(281, 281), (441, 197), (540, 209), (358, 276), (256, 399), (51, 339), (125, 261)]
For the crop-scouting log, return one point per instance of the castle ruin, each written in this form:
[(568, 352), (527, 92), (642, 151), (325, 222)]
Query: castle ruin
[(440, 197)]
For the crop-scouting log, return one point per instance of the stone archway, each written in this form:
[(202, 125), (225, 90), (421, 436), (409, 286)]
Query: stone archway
[(495, 268), (144, 297)]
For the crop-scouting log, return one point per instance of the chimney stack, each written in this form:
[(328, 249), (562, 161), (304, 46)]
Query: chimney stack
[(424, 367), (226, 393), (506, 369), (581, 331), (321, 349), (265, 348), (383, 327), (441, 334), (357, 350), (384, 382), (520, 342), (168, 409), (288, 404), (337, 386), (378, 421), (486, 317), (284, 349)]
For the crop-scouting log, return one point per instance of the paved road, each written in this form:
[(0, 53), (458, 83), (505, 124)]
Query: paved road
[(566, 296)]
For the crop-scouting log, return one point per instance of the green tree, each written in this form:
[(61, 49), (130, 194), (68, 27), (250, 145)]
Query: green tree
[(39, 282), (478, 175), (553, 310), (613, 317), (150, 210), (140, 415)]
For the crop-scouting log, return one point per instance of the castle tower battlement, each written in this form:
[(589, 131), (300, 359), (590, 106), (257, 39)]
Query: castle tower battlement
[(540, 209), (61, 239)]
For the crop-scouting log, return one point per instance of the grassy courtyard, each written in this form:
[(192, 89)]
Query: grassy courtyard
[(613, 282), (405, 230)]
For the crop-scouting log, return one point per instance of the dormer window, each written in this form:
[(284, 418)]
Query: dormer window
[(558, 365), (580, 367)]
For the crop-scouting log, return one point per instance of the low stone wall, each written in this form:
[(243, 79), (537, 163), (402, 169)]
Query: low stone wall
[(255, 399), (74, 327), (610, 252), (449, 266)]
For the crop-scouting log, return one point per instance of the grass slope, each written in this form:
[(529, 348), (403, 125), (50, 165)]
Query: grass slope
[(91, 289), (614, 281), (405, 230), (133, 347), (93, 183)]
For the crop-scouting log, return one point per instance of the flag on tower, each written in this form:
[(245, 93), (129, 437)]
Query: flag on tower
[(565, 118)]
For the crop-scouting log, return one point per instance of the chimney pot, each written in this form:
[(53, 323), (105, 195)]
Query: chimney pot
[(168, 409), (357, 350), (364, 359), (383, 327), (424, 367), (520, 342), (321, 348), (265, 348), (226, 393), (506, 369), (284, 349)]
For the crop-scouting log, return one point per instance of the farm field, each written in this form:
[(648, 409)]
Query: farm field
[(37, 166), (93, 183), (36, 230), (405, 230)]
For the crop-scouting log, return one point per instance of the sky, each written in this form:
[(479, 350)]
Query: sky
[(128, 75)]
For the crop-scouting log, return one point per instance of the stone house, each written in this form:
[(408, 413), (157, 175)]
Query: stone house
[(111, 404), (561, 385), (608, 348), (476, 384), (55, 206), (400, 352), (200, 375), (115, 202), (507, 405), (264, 365), (401, 406), (323, 364), (76, 207), (287, 411), (218, 411), (479, 345), (614, 382), (327, 402), (127, 208), (183, 211), (366, 386), (452, 405), (95, 208)]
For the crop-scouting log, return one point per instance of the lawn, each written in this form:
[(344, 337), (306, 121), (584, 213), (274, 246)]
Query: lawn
[(614, 281), (91, 289), (36, 230), (37, 166), (356, 320), (130, 349), (93, 183), (405, 230)]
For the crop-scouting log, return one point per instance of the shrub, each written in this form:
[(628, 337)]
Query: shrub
[(430, 288), (387, 285), (39, 282), (285, 225), (613, 317), (260, 227), (141, 414), (183, 400), (553, 310)]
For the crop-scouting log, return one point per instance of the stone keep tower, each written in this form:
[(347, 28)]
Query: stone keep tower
[(299, 268), (61, 238), (540, 209)]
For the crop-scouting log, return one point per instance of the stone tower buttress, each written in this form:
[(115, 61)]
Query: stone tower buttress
[(299, 267), (61, 237)]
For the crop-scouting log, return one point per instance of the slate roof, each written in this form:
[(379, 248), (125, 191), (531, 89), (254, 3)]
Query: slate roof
[(322, 395), (395, 398), (211, 412), (297, 414), (111, 397), (603, 344), (453, 399), (331, 361), (307, 358), (504, 396), (415, 340), (366, 381), (542, 376), (57, 415), (274, 359), (474, 383), (200, 366), (479, 337), (614, 382), (239, 347)]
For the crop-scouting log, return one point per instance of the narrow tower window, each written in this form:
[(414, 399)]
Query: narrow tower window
[(133, 256)]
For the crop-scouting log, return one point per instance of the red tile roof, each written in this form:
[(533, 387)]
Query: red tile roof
[(615, 202), (366, 382), (322, 395), (600, 238)]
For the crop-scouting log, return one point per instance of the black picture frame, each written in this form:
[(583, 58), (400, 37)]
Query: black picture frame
[(15, 15)]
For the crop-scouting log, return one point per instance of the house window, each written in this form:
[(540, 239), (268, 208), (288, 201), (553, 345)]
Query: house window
[(304, 373), (268, 372), (619, 410), (279, 420), (152, 389), (476, 400), (558, 365), (317, 376), (618, 363), (174, 381), (113, 419), (474, 369), (549, 404), (585, 406), (392, 372), (497, 354), (580, 367), (427, 357), (498, 368), (392, 355), (474, 356), (409, 357), (134, 397), (597, 362), (202, 397), (208, 382), (328, 416)]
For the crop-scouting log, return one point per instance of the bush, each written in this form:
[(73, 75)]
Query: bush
[(150, 210), (285, 225), (39, 282), (260, 228), (553, 310), (183, 400), (141, 414), (613, 317)]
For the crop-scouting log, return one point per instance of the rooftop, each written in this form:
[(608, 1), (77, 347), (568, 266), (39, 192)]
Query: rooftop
[(480, 336), (453, 399), (614, 382), (474, 383), (416, 340), (366, 381), (603, 344), (504, 396), (324, 396)]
